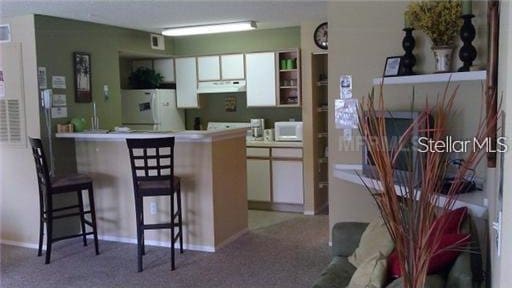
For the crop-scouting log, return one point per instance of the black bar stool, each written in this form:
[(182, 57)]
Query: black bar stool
[(48, 187), (152, 162)]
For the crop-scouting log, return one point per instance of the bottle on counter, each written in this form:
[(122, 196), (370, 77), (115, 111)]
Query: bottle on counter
[(197, 124)]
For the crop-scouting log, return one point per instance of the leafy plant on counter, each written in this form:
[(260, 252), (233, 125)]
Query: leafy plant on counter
[(440, 20), (145, 78)]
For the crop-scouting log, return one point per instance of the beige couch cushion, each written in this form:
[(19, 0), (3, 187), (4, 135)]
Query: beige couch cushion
[(375, 240), (371, 273)]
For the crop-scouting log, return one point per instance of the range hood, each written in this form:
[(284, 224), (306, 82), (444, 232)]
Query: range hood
[(221, 86)]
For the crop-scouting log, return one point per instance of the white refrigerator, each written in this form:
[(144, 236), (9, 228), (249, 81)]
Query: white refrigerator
[(151, 110)]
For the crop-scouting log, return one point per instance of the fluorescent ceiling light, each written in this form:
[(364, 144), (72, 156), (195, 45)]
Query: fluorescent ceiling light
[(210, 29)]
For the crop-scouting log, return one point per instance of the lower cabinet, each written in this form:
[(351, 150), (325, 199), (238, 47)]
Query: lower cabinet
[(275, 178), (258, 180), (287, 184)]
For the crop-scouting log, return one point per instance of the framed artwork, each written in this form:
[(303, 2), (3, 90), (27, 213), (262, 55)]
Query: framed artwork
[(82, 67), (392, 67)]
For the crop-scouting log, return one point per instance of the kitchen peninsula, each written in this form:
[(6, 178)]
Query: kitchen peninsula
[(211, 165)]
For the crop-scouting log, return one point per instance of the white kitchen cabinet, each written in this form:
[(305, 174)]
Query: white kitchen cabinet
[(261, 79), (287, 186), (232, 67), (258, 180), (186, 83), (144, 63), (208, 68), (166, 68)]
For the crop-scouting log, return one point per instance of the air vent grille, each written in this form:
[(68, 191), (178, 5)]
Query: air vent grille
[(10, 122)]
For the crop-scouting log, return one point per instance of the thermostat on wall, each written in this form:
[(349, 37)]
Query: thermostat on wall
[(157, 42)]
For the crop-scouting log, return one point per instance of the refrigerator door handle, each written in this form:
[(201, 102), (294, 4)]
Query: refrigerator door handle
[(154, 108)]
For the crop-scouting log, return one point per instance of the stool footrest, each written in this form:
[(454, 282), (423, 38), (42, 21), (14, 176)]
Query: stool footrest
[(71, 214)]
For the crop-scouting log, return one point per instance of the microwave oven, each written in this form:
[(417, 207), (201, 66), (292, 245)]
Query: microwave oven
[(288, 131)]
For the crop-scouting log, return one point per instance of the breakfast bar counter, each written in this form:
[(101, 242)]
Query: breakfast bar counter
[(212, 168)]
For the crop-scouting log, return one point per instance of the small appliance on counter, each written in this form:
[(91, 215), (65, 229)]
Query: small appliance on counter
[(268, 135), (257, 128), (288, 131), (227, 125)]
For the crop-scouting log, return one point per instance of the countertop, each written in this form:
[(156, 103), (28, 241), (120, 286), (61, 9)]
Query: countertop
[(252, 143), (181, 136)]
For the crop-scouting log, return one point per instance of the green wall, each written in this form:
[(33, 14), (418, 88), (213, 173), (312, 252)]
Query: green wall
[(212, 106), (57, 39)]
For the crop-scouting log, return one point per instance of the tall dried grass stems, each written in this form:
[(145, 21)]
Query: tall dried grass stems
[(408, 211)]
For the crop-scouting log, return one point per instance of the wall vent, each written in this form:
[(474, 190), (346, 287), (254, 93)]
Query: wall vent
[(157, 42), (11, 131)]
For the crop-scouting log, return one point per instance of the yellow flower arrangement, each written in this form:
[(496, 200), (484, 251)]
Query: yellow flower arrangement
[(440, 20)]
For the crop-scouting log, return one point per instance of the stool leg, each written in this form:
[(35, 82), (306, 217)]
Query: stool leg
[(82, 217), (49, 229), (180, 223), (41, 232), (93, 219), (138, 212), (172, 232), (142, 230)]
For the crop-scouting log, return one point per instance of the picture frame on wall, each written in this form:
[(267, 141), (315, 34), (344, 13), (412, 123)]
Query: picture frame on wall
[(82, 69), (392, 67)]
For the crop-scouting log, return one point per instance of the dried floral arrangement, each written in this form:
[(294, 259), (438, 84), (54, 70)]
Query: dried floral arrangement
[(409, 212), (440, 20)]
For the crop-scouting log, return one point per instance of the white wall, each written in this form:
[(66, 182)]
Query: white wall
[(19, 201), (501, 265)]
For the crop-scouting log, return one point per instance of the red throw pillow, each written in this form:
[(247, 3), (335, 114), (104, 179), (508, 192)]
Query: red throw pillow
[(440, 260), (452, 221)]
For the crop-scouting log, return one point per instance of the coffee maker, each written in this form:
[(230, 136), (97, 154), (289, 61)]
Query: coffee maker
[(257, 127)]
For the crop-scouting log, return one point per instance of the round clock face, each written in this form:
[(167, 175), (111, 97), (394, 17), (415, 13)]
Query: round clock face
[(320, 36)]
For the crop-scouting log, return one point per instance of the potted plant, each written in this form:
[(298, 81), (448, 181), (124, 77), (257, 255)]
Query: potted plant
[(410, 216), (440, 20), (145, 78)]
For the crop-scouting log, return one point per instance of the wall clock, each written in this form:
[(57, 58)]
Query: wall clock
[(320, 36)]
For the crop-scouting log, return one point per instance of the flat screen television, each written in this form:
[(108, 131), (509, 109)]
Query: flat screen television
[(396, 124)]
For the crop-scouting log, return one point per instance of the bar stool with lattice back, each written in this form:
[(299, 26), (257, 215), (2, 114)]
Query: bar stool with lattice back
[(152, 162), (48, 188)]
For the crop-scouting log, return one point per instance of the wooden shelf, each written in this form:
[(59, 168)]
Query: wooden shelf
[(322, 83), (323, 184), (323, 135), (289, 105), (433, 78), (475, 201), (287, 70), (323, 160), (288, 87)]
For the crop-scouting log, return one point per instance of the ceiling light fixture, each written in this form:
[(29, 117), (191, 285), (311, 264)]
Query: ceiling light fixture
[(210, 29)]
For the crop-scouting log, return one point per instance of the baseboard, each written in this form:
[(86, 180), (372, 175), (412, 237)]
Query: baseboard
[(232, 238), (21, 244), (319, 210), (167, 244)]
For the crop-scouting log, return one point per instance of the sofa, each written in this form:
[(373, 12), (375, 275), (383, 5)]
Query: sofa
[(464, 273)]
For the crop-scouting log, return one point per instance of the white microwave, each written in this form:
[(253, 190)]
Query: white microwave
[(288, 131)]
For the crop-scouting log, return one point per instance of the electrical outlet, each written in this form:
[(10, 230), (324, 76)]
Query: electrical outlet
[(152, 208), (106, 92)]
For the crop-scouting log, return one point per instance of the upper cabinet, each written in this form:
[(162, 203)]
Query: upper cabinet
[(232, 67), (208, 68), (186, 83), (261, 79), (166, 68)]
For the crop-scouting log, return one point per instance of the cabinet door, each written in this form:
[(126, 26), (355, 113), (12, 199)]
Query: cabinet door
[(287, 186), (261, 79), (186, 83), (166, 68), (258, 180), (232, 67), (208, 68), (147, 63)]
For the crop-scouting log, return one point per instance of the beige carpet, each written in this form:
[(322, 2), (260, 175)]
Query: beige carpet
[(281, 250)]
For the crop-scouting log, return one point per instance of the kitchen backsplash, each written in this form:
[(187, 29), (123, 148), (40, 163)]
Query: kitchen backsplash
[(214, 106)]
